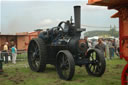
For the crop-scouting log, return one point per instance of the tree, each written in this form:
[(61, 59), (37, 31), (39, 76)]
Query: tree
[(113, 31)]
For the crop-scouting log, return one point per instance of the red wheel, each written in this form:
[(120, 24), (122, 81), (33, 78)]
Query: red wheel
[(124, 77)]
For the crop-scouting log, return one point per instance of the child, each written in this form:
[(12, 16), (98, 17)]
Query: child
[(14, 54)]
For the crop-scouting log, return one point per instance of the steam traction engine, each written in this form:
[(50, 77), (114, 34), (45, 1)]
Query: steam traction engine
[(61, 46)]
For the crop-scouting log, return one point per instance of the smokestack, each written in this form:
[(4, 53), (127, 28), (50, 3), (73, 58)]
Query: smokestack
[(77, 15)]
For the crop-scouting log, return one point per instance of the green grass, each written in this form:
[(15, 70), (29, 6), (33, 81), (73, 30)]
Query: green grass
[(20, 74), (22, 56)]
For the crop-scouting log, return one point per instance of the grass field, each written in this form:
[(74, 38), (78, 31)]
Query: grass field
[(20, 74)]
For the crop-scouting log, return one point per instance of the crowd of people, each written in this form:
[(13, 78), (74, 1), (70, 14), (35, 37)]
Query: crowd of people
[(109, 47), (9, 51)]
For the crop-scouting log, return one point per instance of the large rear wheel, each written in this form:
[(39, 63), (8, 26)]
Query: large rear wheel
[(65, 65), (97, 64), (37, 55)]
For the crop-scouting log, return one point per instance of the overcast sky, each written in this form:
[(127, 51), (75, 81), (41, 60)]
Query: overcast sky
[(25, 16)]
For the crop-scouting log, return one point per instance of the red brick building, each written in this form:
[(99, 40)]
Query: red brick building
[(21, 40)]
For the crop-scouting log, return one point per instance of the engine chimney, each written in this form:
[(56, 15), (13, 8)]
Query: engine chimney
[(77, 15)]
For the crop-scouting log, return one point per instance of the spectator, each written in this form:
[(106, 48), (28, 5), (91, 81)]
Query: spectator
[(90, 44), (114, 45), (104, 42), (101, 46), (111, 49), (94, 43), (107, 48), (5, 52), (86, 41), (117, 48), (14, 54)]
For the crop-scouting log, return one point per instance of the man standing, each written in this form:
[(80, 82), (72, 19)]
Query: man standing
[(118, 50), (86, 41), (114, 45), (101, 46), (5, 52), (111, 49)]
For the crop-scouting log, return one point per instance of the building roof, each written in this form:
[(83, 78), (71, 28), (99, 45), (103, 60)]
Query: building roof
[(7, 35), (10, 35), (22, 34), (115, 15), (111, 4), (116, 4)]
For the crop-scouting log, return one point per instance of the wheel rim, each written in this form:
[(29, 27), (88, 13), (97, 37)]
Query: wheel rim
[(33, 54), (95, 65)]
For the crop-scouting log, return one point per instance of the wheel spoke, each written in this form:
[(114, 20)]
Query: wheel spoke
[(66, 62), (65, 73), (30, 51), (93, 69), (90, 66), (36, 48), (33, 45), (33, 59), (63, 58)]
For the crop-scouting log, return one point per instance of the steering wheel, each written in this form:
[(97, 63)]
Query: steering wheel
[(60, 26)]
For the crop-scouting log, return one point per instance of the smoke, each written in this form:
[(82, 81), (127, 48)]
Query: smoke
[(25, 17), (18, 24), (13, 26), (48, 23)]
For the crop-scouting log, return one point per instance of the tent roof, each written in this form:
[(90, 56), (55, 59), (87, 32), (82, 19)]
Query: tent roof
[(110, 3)]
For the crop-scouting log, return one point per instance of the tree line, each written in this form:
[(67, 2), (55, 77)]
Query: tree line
[(111, 32)]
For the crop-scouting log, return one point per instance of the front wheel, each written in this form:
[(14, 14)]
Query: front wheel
[(65, 65), (97, 64)]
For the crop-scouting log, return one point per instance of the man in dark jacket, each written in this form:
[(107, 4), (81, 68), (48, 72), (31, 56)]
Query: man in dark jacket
[(86, 41), (101, 46)]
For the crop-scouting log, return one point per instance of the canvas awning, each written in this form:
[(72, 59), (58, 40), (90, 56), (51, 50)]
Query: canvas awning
[(116, 4)]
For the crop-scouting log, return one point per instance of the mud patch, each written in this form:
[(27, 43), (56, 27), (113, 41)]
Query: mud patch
[(57, 81), (5, 75), (80, 81), (18, 78), (118, 66)]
